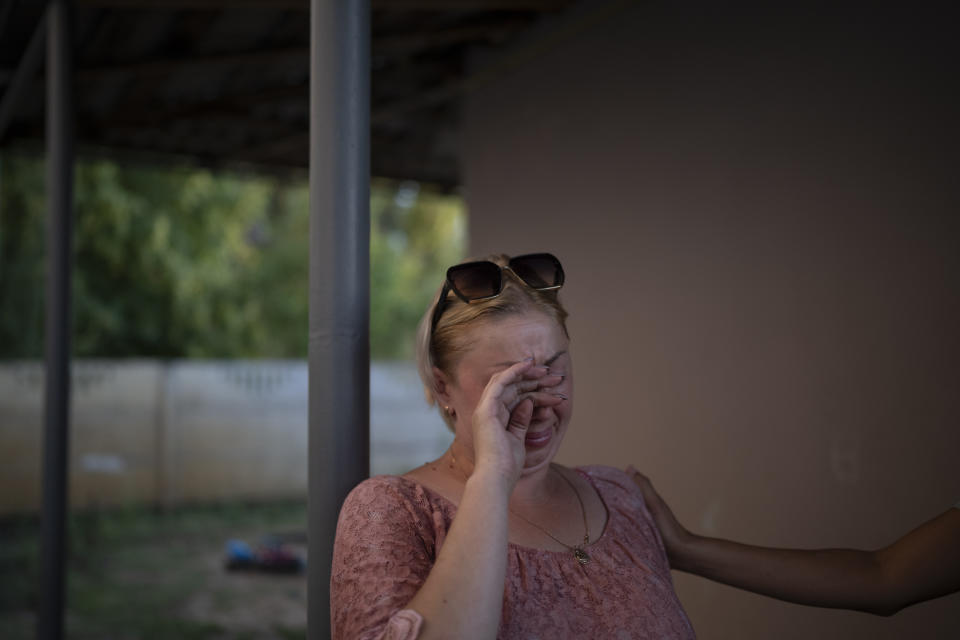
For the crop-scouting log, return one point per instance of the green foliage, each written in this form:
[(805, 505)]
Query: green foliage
[(21, 258), (415, 236), (185, 262)]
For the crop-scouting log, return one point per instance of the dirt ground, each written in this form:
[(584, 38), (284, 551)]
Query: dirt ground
[(166, 578), (245, 603)]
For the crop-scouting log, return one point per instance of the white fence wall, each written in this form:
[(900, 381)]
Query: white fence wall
[(191, 431)]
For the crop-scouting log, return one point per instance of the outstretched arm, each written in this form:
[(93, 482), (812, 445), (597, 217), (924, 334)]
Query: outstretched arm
[(921, 565)]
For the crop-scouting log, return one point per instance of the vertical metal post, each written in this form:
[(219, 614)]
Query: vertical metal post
[(58, 318), (339, 350)]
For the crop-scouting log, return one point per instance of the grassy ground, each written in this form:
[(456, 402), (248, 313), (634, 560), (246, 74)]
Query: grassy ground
[(136, 573)]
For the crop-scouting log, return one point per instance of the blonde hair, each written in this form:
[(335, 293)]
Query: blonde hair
[(444, 347)]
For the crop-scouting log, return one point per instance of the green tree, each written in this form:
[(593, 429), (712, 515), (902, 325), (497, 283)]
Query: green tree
[(21, 258), (184, 262), (416, 233)]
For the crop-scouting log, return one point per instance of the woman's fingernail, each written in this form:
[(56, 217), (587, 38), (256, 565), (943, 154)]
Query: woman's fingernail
[(528, 359), (560, 395)]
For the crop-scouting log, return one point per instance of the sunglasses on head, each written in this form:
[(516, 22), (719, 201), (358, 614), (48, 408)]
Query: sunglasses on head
[(483, 280)]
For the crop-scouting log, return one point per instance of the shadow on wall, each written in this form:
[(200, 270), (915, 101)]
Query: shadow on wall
[(192, 431)]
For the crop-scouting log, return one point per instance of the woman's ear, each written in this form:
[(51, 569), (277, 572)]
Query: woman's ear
[(441, 387)]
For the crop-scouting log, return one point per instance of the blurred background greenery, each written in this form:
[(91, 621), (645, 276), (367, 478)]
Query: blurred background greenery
[(174, 262)]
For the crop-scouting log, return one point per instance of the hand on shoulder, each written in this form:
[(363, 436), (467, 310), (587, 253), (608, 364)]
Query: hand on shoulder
[(673, 533)]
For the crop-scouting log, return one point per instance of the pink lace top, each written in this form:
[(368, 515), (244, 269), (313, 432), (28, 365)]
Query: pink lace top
[(391, 529)]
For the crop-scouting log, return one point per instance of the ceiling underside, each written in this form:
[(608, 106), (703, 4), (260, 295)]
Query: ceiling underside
[(225, 83)]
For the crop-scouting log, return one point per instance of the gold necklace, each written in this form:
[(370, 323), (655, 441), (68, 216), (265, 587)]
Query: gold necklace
[(578, 550)]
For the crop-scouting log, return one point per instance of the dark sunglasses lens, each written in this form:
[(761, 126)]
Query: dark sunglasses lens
[(475, 280), (539, 271)]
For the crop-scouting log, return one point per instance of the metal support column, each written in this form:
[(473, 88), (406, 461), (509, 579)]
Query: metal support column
[(339, 279), (59, 134)]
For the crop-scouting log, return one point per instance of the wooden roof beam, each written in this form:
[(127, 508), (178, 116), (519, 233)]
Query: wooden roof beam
[(22, 78), (164, 66), (231, 103), (410, 43), (304, 5)]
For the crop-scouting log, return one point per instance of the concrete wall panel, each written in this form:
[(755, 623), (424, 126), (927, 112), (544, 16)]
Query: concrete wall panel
[(170, 433)]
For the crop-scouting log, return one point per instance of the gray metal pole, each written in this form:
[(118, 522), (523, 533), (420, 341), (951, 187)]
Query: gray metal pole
[(58, 314), (339, 279)]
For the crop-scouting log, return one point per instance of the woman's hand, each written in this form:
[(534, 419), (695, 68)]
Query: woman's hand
[(673, 533), (503, 414)]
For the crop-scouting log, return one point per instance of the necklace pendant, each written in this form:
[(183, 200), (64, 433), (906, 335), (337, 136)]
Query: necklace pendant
[(581, 555)]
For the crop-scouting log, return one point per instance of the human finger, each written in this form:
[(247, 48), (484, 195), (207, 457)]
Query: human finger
[(539, 398), (535, 370), (515, 379), (538, 383), (520, 418), (501, 391), (670, 528), (511, 394), (650, 495)]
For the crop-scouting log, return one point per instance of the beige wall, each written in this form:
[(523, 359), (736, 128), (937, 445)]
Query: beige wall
[(758, 217)]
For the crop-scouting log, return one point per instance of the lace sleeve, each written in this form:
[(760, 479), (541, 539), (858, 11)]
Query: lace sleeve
[(383, 552)]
